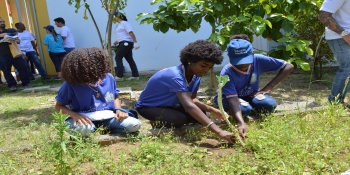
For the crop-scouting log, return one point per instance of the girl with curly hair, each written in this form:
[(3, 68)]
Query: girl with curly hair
[(169, 98), (92, 94)]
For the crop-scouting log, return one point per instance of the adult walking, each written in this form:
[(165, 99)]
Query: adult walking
[(28, 47), (335, 15), (126, 41), (7, 61), (67, 35)]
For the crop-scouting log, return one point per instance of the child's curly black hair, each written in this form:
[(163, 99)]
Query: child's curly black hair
[(240, 36), (85, 65), (201, 50)]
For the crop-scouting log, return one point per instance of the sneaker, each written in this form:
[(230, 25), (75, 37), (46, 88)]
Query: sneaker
[(13, 89), (45, 77), (133, 78), (118, 79), (28, 86), (57, 78)]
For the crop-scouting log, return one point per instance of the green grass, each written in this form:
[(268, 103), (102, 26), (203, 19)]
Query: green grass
[(315, 142)]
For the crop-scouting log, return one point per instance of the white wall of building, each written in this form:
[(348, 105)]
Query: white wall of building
[(157, 50)]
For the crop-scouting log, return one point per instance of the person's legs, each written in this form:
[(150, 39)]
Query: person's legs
[(265, 104), (57, 61), (127, 125), (60, 60), (67, 51), (22, 68), (130, 60), (246, 108), (31, 75), (121, 52), (84, 130), (32, 68), (33, 57), (341, 51), (165, 116), (6, 64)]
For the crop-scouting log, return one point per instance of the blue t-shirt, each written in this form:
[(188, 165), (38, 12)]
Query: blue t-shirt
[(161, 88), (81, 98), (54, 46), (241, 83)]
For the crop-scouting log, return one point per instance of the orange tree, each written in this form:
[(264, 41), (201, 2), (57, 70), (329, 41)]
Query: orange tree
[(272, 19)]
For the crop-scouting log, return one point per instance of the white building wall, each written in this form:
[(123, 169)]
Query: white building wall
[(157, 50)]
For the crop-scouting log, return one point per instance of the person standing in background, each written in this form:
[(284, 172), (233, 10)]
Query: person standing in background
[(126, 41), (55, 48), (67, 35), (28, 48), (7, 61), (335, 15)]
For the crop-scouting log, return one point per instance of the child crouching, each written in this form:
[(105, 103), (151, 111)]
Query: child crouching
[(92, 94)]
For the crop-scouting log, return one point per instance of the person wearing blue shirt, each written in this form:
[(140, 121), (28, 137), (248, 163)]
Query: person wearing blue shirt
[(169, 98), (242, 94), (55, 48), (91, 94)]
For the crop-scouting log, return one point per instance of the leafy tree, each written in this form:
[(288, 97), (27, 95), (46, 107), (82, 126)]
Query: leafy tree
[(310, 28), (111, 6), (272, 19)]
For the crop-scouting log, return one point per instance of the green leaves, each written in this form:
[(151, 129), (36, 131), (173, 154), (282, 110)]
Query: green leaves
[(163, 27), (227, 17), (196, 19)]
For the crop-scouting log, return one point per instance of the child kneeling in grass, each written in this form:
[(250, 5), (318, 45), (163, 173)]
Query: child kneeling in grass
[(169, 97), (92, 94)]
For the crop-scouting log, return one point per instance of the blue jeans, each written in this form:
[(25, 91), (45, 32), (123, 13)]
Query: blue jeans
[(266, 105), (57, 59), (6, 62), (341, 50), (33, 56), (68, 50), (127, 125)]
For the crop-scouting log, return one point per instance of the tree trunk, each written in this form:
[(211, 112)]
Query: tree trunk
[(212, 85), (98, 30), (317, 68), (96, 26), (109, 39), (109, 35)]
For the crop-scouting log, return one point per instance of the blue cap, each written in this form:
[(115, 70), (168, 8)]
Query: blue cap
[(116, 13), (240, 51), (49, 27)]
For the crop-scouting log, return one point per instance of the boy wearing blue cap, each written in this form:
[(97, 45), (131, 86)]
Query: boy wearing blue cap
[(242, 94)]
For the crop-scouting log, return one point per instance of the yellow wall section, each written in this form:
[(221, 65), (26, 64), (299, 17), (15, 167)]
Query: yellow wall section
[(14, 13), (4, 13), (43, 20)]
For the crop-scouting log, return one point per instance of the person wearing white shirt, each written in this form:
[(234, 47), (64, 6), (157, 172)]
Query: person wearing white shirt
[(67, 35), (126, 41), (28, 47), (335, 15)]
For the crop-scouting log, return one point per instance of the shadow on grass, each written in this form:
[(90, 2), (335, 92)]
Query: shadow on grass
[(23, 117), (4, 90)]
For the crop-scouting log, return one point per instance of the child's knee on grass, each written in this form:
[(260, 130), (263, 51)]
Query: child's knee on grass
[(131, 124)]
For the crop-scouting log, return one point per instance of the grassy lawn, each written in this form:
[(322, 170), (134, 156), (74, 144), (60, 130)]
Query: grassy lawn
[(311, 142)]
